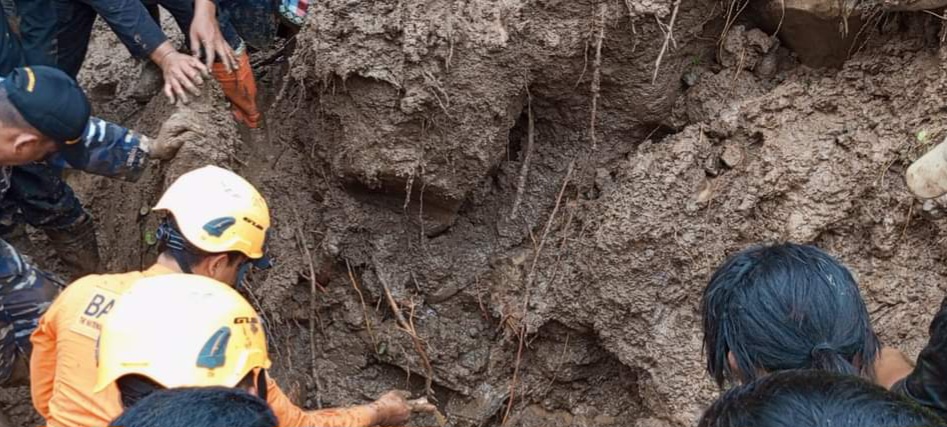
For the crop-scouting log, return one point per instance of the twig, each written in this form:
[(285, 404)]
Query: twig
[(668, 36), (408, 328), (361, 298), (527, 156), (313, 313), (526, 294), (782, 5), (597, 71), (907, 222), (266, 319)]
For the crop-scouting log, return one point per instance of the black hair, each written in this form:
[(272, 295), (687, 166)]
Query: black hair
[(135, 388), (785, 306), (9, 115), (810, 398), (173, 242), (198, 407)]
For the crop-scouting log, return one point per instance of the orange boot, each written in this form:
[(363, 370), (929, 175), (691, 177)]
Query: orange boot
[(240, 89)]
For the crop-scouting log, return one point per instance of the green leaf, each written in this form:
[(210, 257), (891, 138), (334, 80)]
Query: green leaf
[(921, 136)]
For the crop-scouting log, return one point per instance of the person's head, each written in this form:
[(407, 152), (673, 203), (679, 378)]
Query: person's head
[(198, 407), (216, 224), (810, 398), (786, 306), (181, 330), (42, 110)]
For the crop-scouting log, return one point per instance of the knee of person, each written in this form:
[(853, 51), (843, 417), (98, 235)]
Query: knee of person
[(198, 407), (785, 306), (810, 398)]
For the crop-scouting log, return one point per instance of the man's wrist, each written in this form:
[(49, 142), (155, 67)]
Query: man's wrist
[(161, 54)]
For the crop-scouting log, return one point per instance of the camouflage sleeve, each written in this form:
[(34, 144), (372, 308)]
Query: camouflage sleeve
[(925, 384), (112, 151)]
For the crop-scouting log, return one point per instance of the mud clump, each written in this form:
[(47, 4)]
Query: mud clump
[(392, 163)]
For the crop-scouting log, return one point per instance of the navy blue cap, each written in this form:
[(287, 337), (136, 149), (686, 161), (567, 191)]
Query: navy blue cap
[(50, 101)]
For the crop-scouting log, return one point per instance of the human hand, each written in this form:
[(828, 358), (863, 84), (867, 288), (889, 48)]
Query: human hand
[(177, 130), (205, 35), (182, 73), (394, 408)]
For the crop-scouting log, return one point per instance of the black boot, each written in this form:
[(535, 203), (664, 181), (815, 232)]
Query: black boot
[(77, 246)]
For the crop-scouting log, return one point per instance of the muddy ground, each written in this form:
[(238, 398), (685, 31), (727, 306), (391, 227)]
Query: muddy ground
[(394, 157)]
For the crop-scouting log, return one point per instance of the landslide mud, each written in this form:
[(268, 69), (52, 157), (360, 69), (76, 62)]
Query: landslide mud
[(393, 154)]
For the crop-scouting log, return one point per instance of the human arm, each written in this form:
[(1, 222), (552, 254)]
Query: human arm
[(137, 30), (43, 362), (925, 384), (390, 409), (205, 35), (115, 151)]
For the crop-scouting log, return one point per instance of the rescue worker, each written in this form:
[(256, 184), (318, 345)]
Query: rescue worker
[(143, 37), (37, 194), (214, 338), (45, 115), (926, 382), (215, 226)]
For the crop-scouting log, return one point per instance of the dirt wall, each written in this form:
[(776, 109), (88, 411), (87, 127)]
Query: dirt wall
[(394, 158)]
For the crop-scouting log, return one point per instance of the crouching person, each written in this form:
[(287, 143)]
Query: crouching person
[(215, 227), (185, 330)]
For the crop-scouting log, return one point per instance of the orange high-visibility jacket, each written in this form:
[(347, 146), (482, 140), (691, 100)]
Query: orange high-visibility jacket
[(63, 365)]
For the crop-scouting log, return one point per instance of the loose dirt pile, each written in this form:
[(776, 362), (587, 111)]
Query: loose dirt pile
[(543, 188)]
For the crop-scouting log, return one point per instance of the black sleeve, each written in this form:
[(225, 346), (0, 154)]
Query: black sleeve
[(927, 384)]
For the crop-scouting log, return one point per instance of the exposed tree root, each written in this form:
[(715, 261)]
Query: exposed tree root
[(526, 292), (597, 70), (527, 156), (361, 299), (668, 39), (408, 327), (313, 309)]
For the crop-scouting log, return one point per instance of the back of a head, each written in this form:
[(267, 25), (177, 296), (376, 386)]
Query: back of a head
[(198, 407), (780, 307), (812, 398), (181, 330)]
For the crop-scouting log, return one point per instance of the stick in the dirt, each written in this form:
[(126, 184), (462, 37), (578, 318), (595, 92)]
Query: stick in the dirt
[(529, 281), (597, 71), (527, 156), (361, 298), (312, 309), (667, 40), (409, 329)]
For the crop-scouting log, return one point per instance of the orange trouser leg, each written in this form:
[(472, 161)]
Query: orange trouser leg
[(240, 88)]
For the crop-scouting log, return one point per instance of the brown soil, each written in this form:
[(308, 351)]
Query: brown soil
[(397, 132)]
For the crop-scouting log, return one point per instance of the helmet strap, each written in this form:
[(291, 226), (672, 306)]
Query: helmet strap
[(175, 244)]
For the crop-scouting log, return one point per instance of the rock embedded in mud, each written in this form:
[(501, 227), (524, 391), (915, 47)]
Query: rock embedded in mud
[(732, 156), (744, 48)]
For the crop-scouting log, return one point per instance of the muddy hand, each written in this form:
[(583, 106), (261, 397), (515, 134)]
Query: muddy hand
[(393, 408), (177, 130)]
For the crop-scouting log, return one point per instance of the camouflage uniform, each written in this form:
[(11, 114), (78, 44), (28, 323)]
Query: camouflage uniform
[(26, 291)]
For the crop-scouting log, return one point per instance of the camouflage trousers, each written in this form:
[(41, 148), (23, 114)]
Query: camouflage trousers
[(36, 194), (26, 292)]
